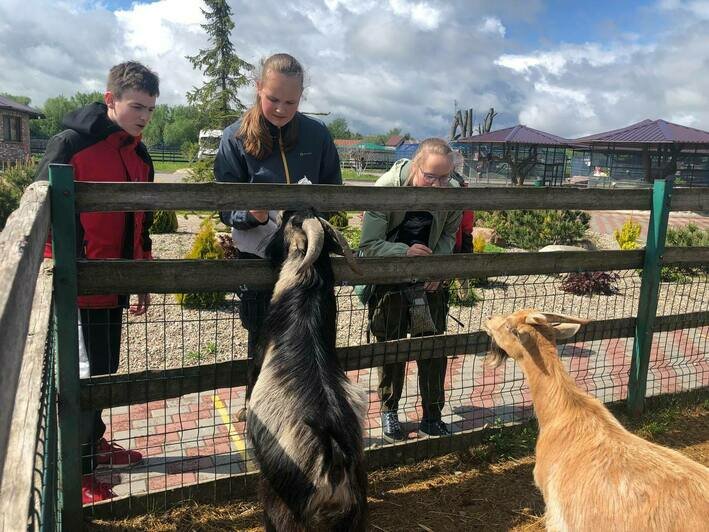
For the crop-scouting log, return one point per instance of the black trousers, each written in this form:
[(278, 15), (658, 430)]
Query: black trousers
[(389, 320), (101, 329)]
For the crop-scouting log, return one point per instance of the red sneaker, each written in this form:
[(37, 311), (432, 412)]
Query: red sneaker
[(94, 491), (114, 455)]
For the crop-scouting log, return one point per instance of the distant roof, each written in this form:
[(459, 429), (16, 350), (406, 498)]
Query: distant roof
[(371, 146), (347, 142), (648, 131), (518, 134), (394, 141), (7, 103)]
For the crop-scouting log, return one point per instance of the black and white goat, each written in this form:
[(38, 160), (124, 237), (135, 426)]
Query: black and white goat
[(305, 416)]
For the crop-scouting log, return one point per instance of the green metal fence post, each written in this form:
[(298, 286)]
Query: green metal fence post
[(649, 290), (61, 181)]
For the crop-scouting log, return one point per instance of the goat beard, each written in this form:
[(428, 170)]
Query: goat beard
[(495, 356)]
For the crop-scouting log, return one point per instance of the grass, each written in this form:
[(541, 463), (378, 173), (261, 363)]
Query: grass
[(492, 248), (166, 167), (350, 175), (196, 356)]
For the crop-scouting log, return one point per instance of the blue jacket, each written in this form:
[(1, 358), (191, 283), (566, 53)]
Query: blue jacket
[(314, 156)]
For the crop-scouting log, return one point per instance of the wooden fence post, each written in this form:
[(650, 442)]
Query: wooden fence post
[(649, 290), (61, 182)]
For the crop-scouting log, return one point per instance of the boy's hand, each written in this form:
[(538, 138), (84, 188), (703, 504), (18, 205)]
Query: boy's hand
[(141, 307)]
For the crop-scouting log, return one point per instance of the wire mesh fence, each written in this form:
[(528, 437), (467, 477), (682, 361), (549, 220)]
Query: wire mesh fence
[(43, 506), (199, 438)]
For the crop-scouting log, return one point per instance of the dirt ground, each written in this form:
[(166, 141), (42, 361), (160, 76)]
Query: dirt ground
[(488, 487)]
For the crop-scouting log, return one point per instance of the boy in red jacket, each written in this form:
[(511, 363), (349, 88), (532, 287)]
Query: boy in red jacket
[(102, 143)]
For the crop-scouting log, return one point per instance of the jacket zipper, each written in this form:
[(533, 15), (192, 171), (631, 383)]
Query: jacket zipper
[(283, 156)]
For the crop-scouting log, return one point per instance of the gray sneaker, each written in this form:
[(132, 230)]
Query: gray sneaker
[(391, 428)]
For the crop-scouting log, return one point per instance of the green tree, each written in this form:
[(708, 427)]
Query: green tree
[(225, 71), (23, 100), (56, 108), (153, 132), (339, 129)]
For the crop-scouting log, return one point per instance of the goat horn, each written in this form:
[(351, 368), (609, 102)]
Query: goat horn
[(344, 246), (315, 237), (550, 317)]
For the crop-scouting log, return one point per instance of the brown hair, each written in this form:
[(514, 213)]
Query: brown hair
[(431, 145), (132, 75), (254, 129)]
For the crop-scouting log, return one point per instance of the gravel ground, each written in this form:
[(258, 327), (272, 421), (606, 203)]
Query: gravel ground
[(172, 337)]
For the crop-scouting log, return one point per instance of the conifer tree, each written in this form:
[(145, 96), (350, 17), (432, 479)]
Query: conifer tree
[(223, 69)]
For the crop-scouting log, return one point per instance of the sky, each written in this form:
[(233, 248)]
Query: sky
[(566, 67)]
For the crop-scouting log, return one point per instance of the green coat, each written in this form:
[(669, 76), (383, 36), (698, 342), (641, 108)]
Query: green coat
[(377, 225)]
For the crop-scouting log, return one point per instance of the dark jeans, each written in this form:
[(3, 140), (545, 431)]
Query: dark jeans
[(389, 320), (101, 329), (253, 306)]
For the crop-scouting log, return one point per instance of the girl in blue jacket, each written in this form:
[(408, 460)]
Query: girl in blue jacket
[(271, 143)]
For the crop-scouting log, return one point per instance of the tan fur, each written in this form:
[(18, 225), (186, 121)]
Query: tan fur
[(595, 475)]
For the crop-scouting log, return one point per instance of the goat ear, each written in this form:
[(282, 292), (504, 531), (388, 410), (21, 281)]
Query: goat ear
[(566, 330), (536, 318), (563, 318)]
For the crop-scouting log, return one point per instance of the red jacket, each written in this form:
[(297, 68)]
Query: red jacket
[(464, 236), (99, 150)]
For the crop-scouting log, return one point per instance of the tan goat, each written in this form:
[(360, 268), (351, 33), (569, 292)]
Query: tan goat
[(594, 475)]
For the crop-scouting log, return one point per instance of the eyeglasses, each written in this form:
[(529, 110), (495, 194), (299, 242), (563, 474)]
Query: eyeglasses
[(432, 178)]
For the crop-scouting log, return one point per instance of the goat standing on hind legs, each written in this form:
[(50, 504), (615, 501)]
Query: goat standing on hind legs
[(305, 416), (594, 475)]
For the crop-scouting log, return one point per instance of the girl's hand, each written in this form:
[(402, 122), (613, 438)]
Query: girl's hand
[(261, 216), (418, 250)]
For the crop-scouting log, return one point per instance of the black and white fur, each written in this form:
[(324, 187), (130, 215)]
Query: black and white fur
[(305, 416)]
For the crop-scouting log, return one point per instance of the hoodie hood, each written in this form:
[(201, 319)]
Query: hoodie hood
[(91, 120)]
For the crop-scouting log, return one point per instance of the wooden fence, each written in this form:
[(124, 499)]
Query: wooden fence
[(22, 242)]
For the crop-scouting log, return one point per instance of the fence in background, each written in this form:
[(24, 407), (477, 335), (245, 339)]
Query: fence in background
[(167, 154), (182, 373)]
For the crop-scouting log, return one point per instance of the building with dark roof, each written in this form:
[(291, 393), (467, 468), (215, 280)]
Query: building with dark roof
[(15, 129), (516, 154), (642, 152)]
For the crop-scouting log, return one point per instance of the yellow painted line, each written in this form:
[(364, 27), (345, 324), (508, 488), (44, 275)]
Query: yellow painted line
[(236, 440)]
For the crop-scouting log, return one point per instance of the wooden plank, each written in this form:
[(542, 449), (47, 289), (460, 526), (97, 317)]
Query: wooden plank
[(134, 388), (173, 276), (21, 246), (227, 196), (681, 321), (696, 256), (18, 475), (690, 199)]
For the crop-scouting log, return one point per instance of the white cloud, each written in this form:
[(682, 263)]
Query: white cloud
[(422, 14), (396, 63), (697, 8), (493, 25)]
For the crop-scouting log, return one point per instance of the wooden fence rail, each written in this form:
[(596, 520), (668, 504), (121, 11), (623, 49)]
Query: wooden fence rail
[(225, 196), (177, 276), (21, 245)]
